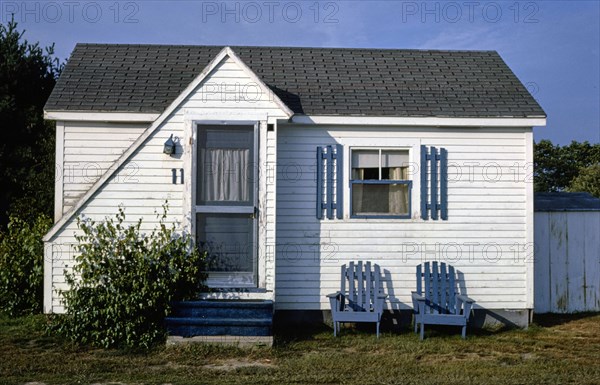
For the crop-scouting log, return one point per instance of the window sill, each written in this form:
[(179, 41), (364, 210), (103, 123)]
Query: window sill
[(380, 217)]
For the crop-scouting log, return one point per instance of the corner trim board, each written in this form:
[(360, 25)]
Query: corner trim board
[(59, 179)]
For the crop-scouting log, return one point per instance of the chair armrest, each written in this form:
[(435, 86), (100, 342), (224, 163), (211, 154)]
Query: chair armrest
[(379, 301), (418, 303), (464, 304), (337, 302), (417, 297), (465, 299)]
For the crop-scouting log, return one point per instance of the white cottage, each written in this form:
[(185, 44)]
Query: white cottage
[(289, 162)]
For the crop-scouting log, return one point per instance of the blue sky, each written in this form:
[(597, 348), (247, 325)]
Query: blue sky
[(552, 46)]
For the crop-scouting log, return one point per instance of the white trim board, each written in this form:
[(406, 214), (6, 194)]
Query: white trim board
[(59, 158), (420, 121), (94, 116), (529, 226)]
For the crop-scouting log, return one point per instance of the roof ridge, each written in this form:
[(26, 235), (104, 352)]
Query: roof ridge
[(283, 47)]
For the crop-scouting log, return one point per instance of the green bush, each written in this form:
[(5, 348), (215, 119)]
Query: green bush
[(123, 282), (22, 265), (588, 180)]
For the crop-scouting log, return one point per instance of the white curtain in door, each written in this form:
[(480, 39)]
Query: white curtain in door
[(225, 172)]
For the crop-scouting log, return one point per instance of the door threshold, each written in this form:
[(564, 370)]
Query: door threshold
[(236, 290), (244, 293)]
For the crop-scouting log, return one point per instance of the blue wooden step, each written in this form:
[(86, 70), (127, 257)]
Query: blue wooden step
[(189, 327), (223, 309), (219, 321), (221, 318), (194, 331)]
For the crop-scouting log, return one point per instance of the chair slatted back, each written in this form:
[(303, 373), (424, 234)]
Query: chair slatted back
[(436, 283), (363, 282)]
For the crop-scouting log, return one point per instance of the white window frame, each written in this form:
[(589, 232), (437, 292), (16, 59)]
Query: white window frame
[(409, 182)]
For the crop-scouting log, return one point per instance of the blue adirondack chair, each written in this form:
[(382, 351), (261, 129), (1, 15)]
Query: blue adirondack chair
[(360, 298), (437, 301)]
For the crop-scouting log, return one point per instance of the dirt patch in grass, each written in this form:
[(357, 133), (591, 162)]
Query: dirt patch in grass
[(233, 364), (436, 359), (97, 383)]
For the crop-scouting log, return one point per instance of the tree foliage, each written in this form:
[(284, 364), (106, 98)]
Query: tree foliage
[(556, 167), (21, 266), (588, 180), (27, 75), (123, 282)]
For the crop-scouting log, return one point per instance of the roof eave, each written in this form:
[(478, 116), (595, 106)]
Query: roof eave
[(529, 121), (101, 116)]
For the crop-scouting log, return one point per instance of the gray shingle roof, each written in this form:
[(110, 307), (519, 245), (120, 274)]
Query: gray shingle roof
[(311, 81)]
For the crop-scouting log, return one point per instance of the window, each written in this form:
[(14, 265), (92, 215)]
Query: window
[(380, 183)]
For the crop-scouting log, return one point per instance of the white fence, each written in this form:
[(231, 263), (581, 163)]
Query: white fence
[(567, 261)]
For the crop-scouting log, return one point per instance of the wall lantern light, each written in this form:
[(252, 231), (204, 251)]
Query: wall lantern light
[(170, 146)]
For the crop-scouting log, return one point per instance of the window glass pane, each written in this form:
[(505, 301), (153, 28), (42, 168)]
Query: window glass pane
[(365, 159), (394, 173), (225, 166), (394, 158), (365, 173), (365, 164), (394, 164), (380, 199), (228, 240)]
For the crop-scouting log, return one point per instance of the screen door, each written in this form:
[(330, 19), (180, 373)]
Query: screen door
[(226, 203)]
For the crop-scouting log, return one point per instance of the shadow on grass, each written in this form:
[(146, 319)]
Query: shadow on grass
[(286, 334), (433, 331), (553, 319)]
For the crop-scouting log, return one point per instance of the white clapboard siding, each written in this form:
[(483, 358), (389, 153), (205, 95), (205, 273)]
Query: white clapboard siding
[(484, 238), (567, 261), (89, 149), (144, 182)]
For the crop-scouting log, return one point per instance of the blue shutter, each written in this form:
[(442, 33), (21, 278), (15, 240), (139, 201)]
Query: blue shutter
[(339, 186), (444, 183), (319, 182), (424, 214), (437, 173), (329, 160), (433, 180), (329, 186)]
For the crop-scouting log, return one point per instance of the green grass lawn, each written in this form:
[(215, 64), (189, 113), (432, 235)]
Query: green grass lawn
[(556, 350)]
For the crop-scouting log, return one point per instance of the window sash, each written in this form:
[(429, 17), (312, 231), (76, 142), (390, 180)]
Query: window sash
[(399, 201), (379, 159)]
